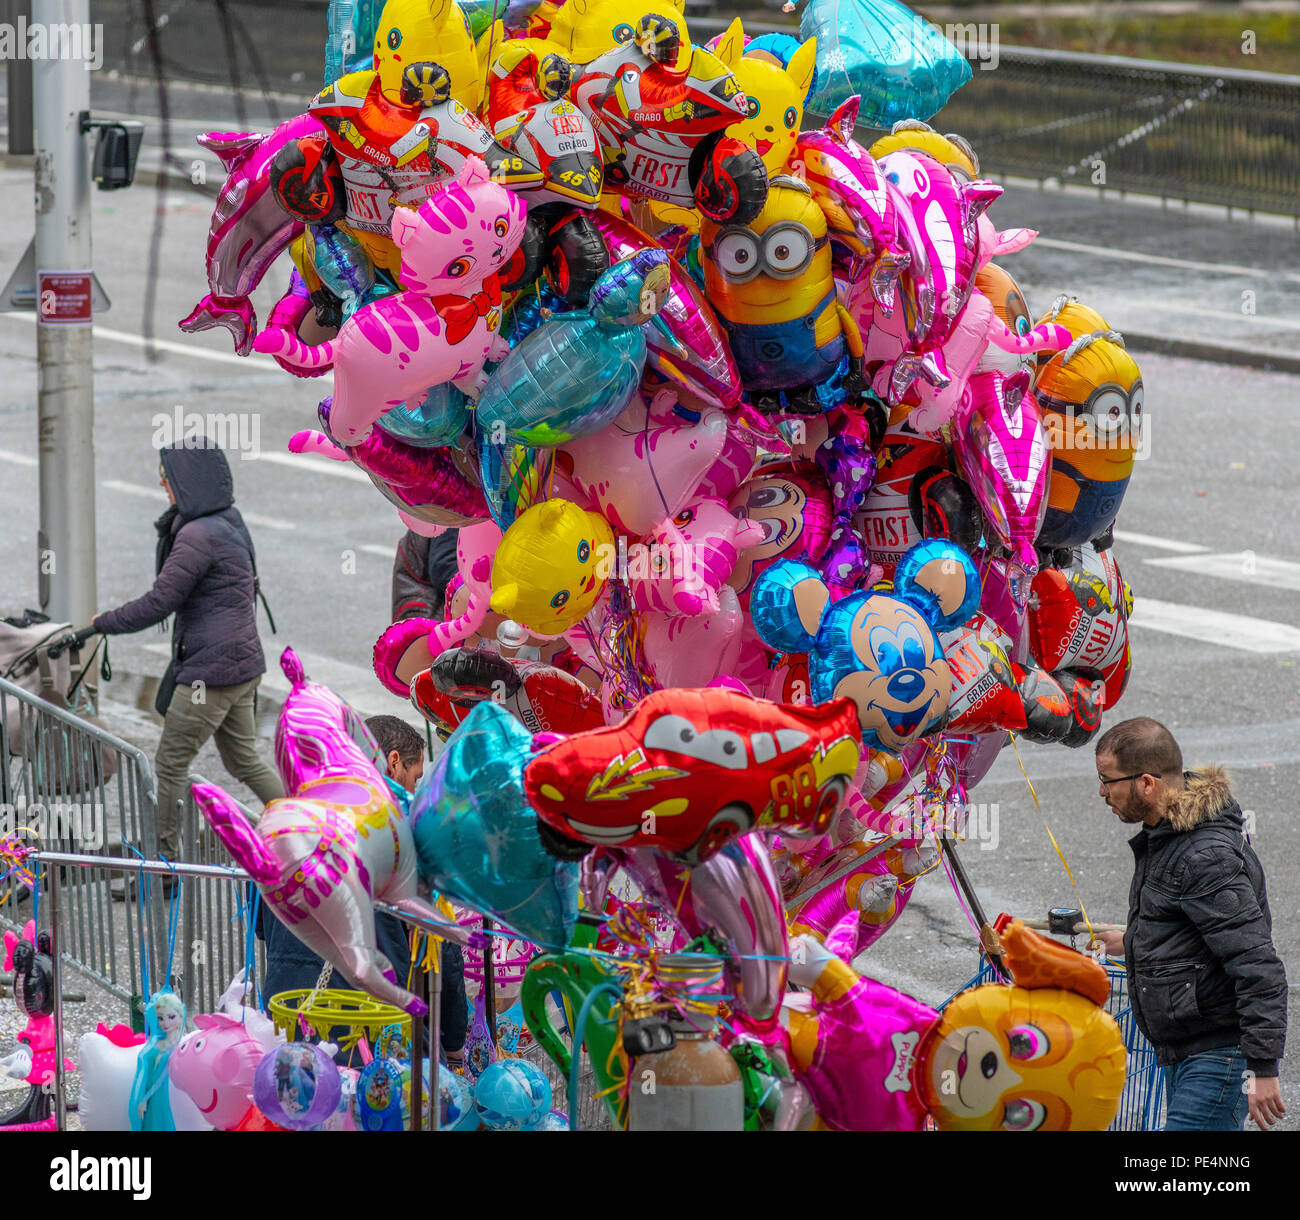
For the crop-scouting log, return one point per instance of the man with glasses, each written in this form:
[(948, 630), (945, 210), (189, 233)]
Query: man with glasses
[(1205, 982)]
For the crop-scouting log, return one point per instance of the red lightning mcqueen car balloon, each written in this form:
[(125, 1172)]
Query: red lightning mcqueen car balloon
[(689, 770)]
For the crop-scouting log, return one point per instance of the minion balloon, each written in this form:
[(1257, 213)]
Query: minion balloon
[(771, 285), (1091, 399)]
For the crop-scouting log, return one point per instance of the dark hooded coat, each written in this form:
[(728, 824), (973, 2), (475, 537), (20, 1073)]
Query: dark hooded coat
[(205, 574)]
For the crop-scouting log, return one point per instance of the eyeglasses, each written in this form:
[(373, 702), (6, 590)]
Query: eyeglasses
[(1105, 783)]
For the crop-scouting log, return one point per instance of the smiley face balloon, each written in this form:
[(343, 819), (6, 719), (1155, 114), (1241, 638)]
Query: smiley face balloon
[(551, 566)]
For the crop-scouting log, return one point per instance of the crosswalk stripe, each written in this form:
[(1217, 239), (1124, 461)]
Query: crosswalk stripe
[(1245, 566), (1158, 543), (1215, 626)]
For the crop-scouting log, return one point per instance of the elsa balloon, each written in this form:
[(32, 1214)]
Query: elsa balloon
[(164, 1023)]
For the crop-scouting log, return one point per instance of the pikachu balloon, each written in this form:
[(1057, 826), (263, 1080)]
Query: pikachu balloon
[(770, 283), (775, 87)]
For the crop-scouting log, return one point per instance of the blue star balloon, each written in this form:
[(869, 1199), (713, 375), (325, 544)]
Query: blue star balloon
[(476, 835), (900, 65)]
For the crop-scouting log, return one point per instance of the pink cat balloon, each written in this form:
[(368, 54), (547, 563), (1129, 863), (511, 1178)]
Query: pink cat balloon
[(324, 855), (443, 326)]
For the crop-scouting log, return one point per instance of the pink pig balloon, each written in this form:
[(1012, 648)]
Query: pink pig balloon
[(324, 855), (215, 1066), (442, 326)]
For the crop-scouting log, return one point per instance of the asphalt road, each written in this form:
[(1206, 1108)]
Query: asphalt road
[(1216, 635)]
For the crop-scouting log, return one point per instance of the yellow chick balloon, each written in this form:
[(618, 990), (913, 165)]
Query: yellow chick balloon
[(551, 566)]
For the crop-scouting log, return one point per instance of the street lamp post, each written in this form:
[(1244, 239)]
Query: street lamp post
[(64, 280)]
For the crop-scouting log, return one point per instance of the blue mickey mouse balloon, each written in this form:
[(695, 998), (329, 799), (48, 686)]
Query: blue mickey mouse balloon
[(900, 66), (476, 835), (512, 1095)]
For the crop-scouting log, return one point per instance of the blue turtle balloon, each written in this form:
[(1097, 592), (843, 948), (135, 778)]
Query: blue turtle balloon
[(578, 370), (900, 65), (476, 835)]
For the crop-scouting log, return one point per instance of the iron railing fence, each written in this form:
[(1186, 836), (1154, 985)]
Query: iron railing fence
[(71, 786)]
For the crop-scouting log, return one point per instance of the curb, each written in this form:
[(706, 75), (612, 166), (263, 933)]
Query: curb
[(1215, 353)]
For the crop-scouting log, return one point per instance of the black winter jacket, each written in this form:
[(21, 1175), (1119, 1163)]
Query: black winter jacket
[(205, 573), (1199, 953)]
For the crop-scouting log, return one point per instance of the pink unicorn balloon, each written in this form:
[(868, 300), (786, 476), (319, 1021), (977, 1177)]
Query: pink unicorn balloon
[(324, 855), (851, 190), (442, 327), (410, 646), (249, 231)]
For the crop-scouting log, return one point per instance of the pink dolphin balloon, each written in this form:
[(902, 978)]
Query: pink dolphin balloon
[(696, 356), (1002, 448), (324, 855), (249, 231)]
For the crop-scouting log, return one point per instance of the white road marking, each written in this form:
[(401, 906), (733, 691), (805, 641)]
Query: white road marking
[(1163, 260), (301, 461), (1215, 626), (372, 548), (156, 493), (17, 459), (1238, 565), (1149, 304), (1161, 544), (250, 364), (135, 489)]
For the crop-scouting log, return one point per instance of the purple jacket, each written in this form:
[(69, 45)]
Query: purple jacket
[(205, 575)]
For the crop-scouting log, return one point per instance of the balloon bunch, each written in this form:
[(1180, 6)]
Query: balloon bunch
[(777, 508)]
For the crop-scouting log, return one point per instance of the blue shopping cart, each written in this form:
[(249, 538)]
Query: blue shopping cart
[(1142, 1104)]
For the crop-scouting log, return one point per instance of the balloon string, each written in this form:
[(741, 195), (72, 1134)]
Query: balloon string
[(1060, 854)]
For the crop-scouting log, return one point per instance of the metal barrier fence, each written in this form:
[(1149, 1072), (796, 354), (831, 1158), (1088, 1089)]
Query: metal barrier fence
[(1176, 131), (73, 787), (1142, 1104)]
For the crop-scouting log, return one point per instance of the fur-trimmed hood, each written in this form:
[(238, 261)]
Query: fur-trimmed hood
[(1206, 793)]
